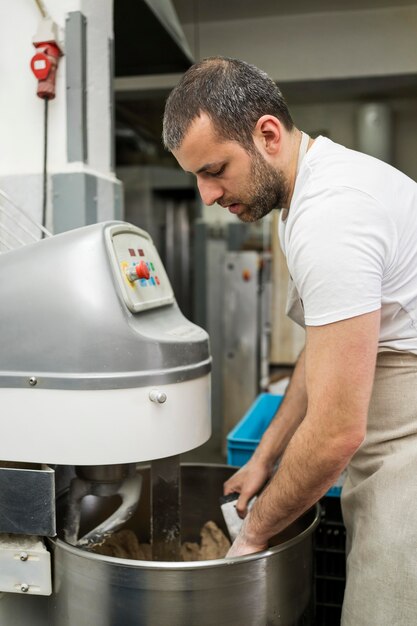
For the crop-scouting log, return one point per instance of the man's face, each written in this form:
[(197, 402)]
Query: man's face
[(243, 182)]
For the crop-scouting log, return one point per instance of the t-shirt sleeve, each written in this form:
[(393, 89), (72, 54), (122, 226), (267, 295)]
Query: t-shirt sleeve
[(341, 246)]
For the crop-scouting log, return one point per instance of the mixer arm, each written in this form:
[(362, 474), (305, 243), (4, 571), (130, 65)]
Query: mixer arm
[(129, 491), (78, 490)]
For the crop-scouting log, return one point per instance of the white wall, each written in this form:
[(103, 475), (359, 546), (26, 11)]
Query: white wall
[(21, 127)]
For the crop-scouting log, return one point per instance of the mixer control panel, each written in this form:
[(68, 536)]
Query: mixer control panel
[(138, 268)]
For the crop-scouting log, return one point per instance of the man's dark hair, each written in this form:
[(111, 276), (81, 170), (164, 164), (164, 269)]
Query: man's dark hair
[(233, 93)]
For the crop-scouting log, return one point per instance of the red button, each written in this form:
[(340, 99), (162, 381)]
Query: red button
[(142, 270)]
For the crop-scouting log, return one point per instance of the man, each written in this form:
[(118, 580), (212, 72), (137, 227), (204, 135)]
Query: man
[(348, 229)]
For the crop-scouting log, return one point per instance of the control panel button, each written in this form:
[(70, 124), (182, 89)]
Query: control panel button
[(137, 272), (141, 276)]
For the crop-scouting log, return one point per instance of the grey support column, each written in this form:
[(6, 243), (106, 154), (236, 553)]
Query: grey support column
[(76, 66), (81, 198), (74, 200), (112, 106)]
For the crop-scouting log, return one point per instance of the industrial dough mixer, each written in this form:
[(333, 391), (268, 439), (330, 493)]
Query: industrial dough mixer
[(99, 370)]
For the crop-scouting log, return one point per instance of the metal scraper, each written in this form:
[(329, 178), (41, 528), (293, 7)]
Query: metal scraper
[(230, 514)]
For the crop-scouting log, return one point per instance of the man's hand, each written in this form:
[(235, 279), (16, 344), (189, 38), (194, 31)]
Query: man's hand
[(247, 481), (245, 545)]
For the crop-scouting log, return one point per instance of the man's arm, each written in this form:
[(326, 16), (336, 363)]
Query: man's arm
[(254, 474), (339, 365)]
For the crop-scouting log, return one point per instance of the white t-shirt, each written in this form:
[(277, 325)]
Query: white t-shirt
[(350, 240)]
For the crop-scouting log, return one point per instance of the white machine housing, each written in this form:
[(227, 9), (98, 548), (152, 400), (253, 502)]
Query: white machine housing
[(96, 367)]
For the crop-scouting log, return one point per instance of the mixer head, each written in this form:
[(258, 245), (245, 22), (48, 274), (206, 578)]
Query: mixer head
[(90, 330)]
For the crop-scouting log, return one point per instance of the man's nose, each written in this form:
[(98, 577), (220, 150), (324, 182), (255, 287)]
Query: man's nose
[(210, 191)]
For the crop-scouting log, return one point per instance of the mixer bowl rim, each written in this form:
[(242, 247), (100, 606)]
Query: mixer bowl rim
[(194, 565)]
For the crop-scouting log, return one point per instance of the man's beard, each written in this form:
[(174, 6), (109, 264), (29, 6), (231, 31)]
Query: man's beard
[(268, 189)]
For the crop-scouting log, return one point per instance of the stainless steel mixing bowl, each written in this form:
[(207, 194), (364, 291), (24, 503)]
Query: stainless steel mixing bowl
[(271, 588)]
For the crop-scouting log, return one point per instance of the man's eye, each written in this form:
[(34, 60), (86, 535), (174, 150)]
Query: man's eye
[(218, 172)]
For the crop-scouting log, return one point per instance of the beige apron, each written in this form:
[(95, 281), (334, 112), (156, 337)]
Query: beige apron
[(379, 502)]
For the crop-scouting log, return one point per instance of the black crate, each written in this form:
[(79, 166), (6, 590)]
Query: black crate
[(330, 559)]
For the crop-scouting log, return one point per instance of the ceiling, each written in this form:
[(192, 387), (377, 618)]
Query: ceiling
[(192, 11), (359, 89), (143, 47), (142, 44)]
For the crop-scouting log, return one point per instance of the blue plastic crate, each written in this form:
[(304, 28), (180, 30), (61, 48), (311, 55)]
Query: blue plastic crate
[(245, 436)]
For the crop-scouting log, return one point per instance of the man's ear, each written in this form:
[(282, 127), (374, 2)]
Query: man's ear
[(267, 134)]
